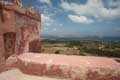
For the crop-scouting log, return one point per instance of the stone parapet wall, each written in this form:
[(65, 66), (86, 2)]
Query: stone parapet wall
[(17, 9), (69, 67)]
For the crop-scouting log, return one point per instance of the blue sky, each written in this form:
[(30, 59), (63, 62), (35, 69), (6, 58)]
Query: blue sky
[(78, 18)]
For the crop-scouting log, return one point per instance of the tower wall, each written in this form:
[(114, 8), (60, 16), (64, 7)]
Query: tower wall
[(27, 31), (19, 28)]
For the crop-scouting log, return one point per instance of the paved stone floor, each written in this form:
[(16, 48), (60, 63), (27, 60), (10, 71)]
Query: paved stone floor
[(16, 74)]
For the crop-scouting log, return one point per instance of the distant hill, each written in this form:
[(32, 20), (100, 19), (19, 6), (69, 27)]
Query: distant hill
[(94, 38)]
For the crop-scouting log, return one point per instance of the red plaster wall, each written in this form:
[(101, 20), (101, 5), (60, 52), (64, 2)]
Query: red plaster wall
[(1, 49), (34, 46), (8, 21), (25, 25), (9, 43), (6, 25), (27, 31)]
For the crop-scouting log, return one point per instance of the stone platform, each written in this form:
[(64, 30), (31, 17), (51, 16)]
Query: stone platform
[(69, 67)]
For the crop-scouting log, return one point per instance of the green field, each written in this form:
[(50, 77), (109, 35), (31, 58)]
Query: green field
[(84, 48)]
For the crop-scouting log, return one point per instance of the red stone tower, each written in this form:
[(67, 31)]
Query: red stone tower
[(19, 29)]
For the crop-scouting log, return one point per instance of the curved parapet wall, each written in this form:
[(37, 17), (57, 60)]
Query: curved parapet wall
[(69, 67)]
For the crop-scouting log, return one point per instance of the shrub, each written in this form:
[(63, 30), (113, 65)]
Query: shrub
[(57, 52), (103, 53), (82, 54)]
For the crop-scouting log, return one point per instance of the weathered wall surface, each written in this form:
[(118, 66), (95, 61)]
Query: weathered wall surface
[(25, 25), (1, 49), (7, 26), (27, 31), (9, 43), (1, 41), (7, 23)]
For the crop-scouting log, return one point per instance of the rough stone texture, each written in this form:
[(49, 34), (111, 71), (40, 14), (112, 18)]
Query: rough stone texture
[(18, 28), (16, 74), (11, 63), (9, 41), (18, 2), (69, 67), (1, 49)]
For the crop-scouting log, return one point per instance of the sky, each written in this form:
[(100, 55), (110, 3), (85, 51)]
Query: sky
[(78, 18)]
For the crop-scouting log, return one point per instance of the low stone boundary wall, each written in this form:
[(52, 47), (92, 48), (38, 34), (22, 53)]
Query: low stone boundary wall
[(69, 67)]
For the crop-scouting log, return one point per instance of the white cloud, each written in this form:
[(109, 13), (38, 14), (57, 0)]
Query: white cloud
[(54, 29), (45, 1), (113, 3), (47, 20), (93, 8), (80, 19), (110, 13), (45, 28)]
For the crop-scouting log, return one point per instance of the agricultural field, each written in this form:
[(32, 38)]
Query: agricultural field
[(84, 48)]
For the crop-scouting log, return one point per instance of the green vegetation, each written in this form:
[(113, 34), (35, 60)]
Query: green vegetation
[(57, 52), (53, 41), (93, 48), (82, 54), (107, 53)]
